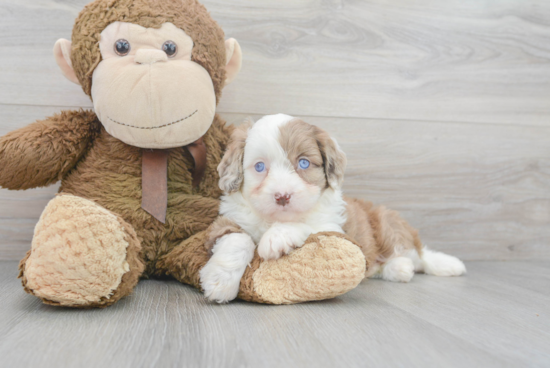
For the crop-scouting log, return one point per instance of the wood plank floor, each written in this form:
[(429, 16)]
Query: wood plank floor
[(496, 316)]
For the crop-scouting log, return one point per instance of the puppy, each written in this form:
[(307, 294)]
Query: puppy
[(282, 180)]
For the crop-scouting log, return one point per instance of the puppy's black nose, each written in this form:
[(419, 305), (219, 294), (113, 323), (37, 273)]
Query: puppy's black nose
[(282, 199)]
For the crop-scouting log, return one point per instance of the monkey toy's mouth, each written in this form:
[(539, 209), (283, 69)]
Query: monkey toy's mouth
[(154, 127), (146, 130)]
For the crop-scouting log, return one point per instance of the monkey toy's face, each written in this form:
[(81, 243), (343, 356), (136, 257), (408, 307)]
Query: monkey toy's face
[(146, 90)]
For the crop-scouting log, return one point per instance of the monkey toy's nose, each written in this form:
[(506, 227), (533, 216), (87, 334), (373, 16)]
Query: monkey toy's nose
[(282, 199), (150, 56)]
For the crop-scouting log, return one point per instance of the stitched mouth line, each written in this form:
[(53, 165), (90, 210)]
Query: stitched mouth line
[(157, 127)]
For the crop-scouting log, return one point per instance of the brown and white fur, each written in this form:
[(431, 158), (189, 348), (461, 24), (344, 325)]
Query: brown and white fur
[(280, 206)]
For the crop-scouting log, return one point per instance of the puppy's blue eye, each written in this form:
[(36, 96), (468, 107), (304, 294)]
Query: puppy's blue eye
[(260, 166), (304, 164)]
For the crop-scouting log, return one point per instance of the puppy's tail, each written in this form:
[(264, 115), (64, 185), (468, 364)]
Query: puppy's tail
[(436, 263)]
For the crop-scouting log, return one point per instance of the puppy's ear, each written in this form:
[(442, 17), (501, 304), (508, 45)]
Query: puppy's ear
[(334, 159), (231, 167)]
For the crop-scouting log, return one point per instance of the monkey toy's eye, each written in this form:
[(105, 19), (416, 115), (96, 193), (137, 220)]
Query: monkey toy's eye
[(170, 48), (122, 47), (304, 164)]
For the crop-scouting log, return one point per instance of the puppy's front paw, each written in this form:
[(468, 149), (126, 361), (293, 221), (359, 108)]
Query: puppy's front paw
[(220, 284), (221, 276), (280, 240), (273, 246)]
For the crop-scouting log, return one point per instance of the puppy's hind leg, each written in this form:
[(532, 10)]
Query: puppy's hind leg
[(398, 269), (395, 239), (402, 269)]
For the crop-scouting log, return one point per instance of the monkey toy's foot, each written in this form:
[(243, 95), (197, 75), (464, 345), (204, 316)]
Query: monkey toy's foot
[(326, 266), (82, 255)]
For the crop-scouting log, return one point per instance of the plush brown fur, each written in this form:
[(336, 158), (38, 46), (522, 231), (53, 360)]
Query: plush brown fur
[(44, 152), (186, 260), (75, 148), (110, 175)]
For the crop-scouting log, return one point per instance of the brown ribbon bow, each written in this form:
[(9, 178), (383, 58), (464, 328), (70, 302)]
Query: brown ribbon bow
[(154, 177)]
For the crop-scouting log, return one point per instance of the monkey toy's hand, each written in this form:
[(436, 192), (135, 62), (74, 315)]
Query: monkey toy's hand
[(42, 153)]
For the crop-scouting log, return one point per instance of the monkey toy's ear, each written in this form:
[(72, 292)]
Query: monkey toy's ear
[(62, 53), (234, 58)]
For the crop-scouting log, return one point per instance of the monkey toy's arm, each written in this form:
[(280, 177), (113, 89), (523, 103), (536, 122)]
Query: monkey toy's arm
[(43, 152)]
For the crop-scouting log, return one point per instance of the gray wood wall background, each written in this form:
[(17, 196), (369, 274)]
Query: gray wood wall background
[(443, 106)]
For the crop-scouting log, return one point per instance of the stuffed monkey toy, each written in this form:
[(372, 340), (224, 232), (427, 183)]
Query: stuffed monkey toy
[(139, 182)]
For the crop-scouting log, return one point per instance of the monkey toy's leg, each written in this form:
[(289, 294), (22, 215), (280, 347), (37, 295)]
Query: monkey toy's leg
[(82, 255), (327, 265)]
